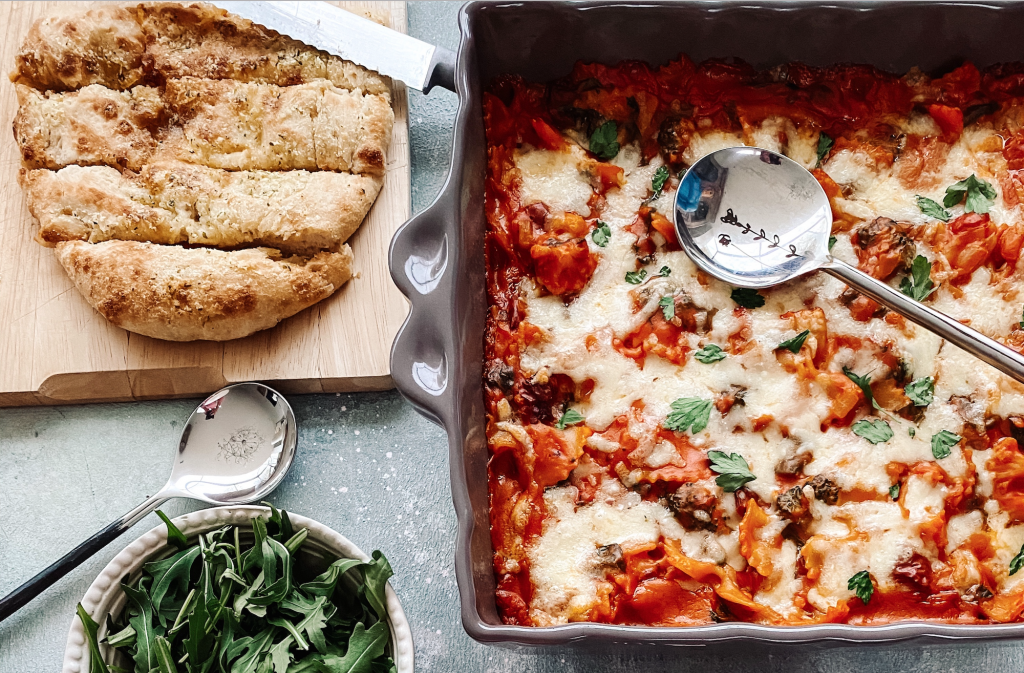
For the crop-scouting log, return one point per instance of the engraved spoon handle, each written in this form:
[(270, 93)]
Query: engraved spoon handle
[(996, 354)]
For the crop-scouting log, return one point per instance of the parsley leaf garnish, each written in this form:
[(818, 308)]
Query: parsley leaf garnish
[(733, 471), (942, 442), (689, 413), (710, 353), (796, 343), (862, 586), (659, 179), (747, 298), (980, 195), (604, 141), (601, 234), (920, 391), (918, 285), (1021, 323), (831, 242), (664, 272), (864, 382), (636, 277), (876, 431), (932, 208), (570, 417), (1017, 562), (824, 145), (668, 307), (894, 491)]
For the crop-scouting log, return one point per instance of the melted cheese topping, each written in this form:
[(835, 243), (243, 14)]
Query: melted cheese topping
[(874, 534)]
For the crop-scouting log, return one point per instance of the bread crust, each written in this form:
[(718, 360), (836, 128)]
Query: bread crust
[(188, 294), (248, 126), (91, 126), (100, 46), (217, 123), (120, 47), (297, 212)]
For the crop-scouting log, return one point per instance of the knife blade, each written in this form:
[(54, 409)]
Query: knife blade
[(337, 31)]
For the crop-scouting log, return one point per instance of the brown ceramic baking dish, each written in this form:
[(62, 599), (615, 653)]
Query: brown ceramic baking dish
[(437, 258)]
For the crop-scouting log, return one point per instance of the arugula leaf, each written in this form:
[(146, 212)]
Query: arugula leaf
[(932, 209), (689, 413), (604, 141), (747, 298), (919, 284), (142, 622), (831, 242), (280, 657), (324, 583), (636, 277), (876, 431), (96, 663), (977, 195), (570, 417), (732, 469), (668, 307), (861, 585), (659, 179), (171, 574), (1017, 562), (174, 536), (824, 146), (943, 442), (601, 234), (123, 638), (796, 343), (376, 574), (920, 391), (364, 646), (709, 354), (164, 660), (894, 491)]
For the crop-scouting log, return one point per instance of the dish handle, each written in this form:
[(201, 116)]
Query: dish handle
[(422, 354)]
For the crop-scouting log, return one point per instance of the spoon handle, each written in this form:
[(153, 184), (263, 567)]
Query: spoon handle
[(15, 600), (988, 350)]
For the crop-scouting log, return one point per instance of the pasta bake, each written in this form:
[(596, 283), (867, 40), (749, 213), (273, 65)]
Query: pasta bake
[(668, 450)]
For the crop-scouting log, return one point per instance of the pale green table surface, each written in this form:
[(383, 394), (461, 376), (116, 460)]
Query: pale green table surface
[(368, 466)]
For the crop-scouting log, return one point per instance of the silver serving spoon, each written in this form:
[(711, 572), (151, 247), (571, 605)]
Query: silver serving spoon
[(753, 218), (235, 449)]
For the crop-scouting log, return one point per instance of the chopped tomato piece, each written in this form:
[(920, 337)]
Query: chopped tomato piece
[(549, 137), (949, 119), (972, 239), (557, 452), (607, 176), (563, 267)]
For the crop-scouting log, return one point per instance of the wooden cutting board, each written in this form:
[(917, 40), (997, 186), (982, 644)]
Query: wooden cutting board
[(55, 349)]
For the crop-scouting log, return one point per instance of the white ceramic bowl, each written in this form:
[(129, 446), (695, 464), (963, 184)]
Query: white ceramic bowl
[(105, 595)]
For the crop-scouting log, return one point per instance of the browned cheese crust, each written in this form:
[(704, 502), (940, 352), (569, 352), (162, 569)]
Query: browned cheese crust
[(119, 47), (101, 46), (298, 212), (187, 294)]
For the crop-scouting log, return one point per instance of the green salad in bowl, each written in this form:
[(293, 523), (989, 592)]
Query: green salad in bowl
[(265, 594)]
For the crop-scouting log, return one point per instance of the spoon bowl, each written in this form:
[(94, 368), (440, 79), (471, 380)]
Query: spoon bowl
[(235, 448), (754, 218)]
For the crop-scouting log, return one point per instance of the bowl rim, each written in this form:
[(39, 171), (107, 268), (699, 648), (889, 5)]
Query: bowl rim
[(105, 590)]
